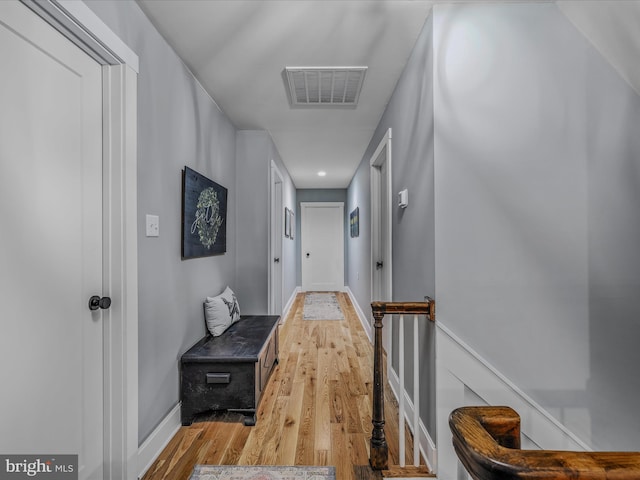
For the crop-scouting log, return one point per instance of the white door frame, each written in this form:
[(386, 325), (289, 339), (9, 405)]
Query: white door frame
[(379, 208), (120, 278), (381, 244), (276, 229)]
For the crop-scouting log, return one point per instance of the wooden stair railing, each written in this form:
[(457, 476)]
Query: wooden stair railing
[(487, 442), (379, 451)]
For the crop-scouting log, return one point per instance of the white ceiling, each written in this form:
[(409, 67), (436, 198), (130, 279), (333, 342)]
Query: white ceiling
[(238, 50)]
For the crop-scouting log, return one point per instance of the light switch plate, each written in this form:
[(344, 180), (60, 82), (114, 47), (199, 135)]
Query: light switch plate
[(153, 226)]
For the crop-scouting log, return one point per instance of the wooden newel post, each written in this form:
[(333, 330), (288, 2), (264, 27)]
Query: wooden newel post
[(379, 456)]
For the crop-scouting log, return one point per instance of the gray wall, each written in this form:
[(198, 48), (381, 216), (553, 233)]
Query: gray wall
[(178, 125), (410, 116), (537, 194), (320, 195), (255, 150), (518, 144)]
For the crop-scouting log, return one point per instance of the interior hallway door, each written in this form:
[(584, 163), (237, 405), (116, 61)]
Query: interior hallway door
[(51, 360), (276, 233), (322, 245)]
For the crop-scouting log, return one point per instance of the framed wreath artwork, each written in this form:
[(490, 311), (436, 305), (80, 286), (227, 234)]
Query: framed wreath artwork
[(204, 216)]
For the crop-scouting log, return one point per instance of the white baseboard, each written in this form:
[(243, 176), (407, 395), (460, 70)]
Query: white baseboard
[(364, 319), (287, 307), (152, 447), (464, 377)]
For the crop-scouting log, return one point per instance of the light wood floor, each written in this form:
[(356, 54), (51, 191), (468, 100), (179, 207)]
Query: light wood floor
[(316, 409)]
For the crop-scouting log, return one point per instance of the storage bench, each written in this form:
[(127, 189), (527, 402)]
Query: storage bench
[(229, 372)]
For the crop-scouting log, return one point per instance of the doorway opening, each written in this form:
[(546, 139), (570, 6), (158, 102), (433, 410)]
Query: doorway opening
[(381, 233), (275, 241)]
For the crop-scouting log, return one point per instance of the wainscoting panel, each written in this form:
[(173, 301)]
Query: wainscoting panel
[(464, 378)]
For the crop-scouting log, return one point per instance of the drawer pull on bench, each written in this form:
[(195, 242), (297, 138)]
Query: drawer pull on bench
[(218, 377)]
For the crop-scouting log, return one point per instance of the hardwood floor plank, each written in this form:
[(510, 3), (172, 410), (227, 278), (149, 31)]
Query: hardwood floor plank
[(286, 454), (336, 402), (274, 427), (323, 410), (288, 364), (306, 433), (340, 457), (235, 447)]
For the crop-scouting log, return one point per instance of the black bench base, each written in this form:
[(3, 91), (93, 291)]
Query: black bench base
[(230, 372)]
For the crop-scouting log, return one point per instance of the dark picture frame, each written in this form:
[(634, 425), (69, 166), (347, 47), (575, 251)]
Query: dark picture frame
[(287, 222), (204, 216), (354, 222), (292, 224)]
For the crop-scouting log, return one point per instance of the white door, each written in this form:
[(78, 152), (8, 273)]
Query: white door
[(277, 234), (50, 243), (322, 245)]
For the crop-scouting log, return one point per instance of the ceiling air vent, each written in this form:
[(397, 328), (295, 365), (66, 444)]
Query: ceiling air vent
[(325, 86)]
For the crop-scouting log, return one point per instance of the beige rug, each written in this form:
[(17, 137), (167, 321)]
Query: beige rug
[(259, 472), (321, 306)]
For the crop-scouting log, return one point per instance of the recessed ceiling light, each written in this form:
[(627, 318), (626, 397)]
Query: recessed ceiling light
[(322, 173)]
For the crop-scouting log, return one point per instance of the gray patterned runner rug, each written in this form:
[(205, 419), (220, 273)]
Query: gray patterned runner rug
[(322, 306), (222, 472)]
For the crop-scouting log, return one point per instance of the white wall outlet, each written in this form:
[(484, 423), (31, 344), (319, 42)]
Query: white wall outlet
[(153, 226)]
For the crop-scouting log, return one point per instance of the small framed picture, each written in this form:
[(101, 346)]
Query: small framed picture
[(292, 224), (287, 223), (354, 222)]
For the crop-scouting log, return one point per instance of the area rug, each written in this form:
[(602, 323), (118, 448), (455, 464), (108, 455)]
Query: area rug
[(322, 306), (260, 472)]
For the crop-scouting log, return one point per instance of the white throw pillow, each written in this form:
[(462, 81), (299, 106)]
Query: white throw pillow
[(221, 311)]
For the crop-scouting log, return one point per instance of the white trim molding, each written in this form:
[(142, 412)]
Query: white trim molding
[(463, 377), (290, 302), (120, 270), (152, 447), (364, 319), (83, 27)]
